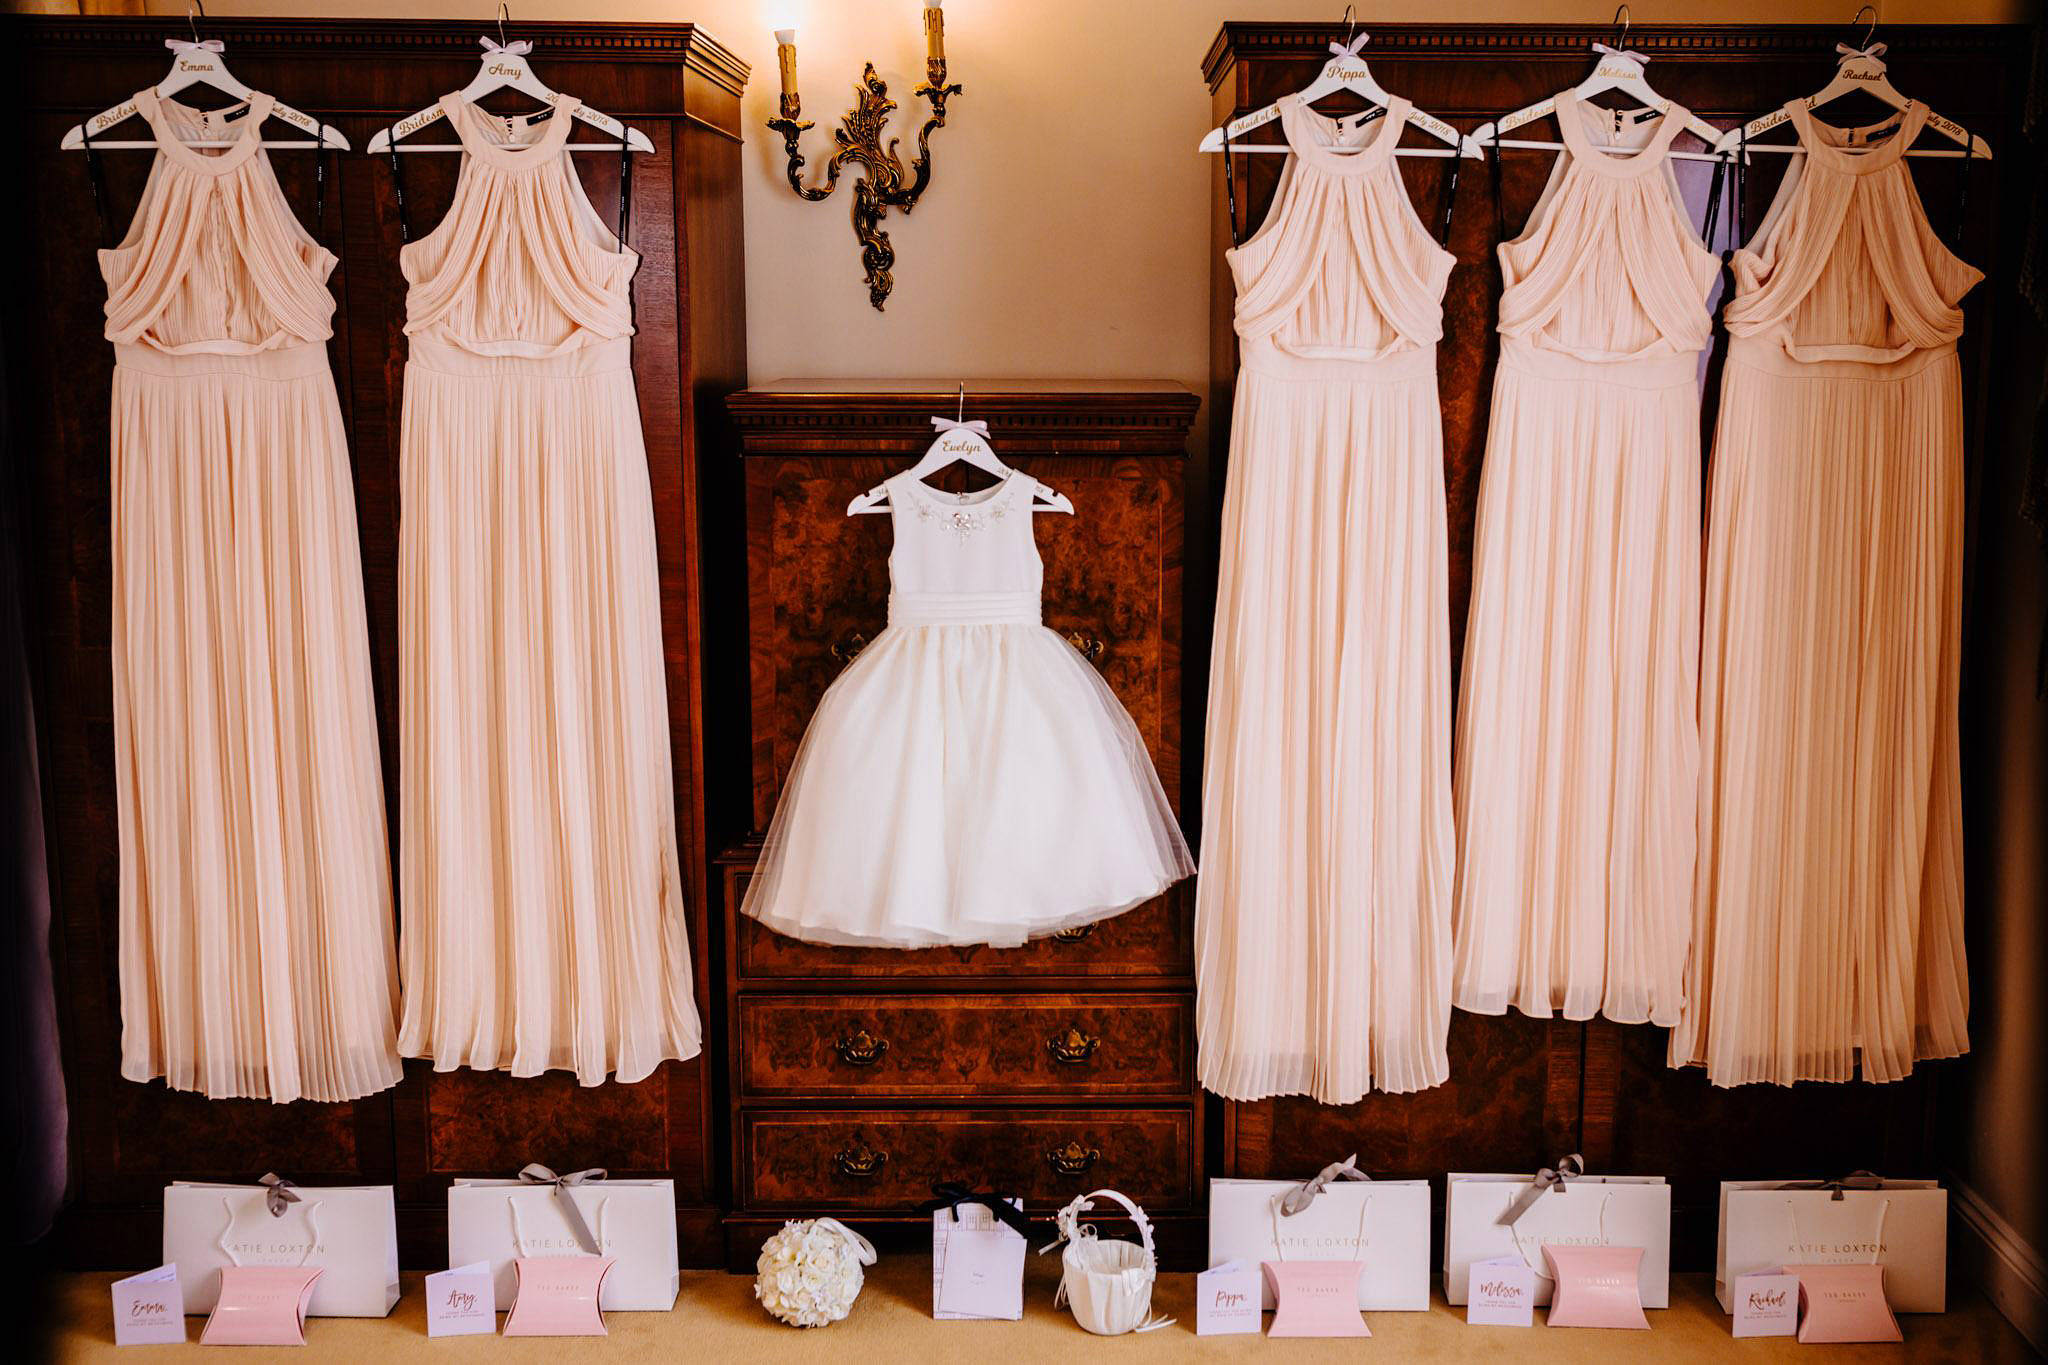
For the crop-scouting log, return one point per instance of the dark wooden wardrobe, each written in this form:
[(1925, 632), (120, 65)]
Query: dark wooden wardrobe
[(680, 87), (1524, 1091)]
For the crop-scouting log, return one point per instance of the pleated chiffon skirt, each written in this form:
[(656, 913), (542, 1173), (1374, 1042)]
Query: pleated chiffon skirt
[(1578, 743), (545, 925), (1323, 907), (255, 898), (1830, 897)]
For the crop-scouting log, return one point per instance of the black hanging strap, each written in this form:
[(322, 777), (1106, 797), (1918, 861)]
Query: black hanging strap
[(1500, 212), (1230, 187), (320, 184), (625, 183), (398, 191), (99, 185), (1963, 193), (1443, 232), (1714, 202)]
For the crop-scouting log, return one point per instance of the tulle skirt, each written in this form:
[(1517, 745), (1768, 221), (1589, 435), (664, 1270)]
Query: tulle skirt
[(1322, 922), (255, 888), (544, 923), (965, 784), (1829, 917), (1578, 739)]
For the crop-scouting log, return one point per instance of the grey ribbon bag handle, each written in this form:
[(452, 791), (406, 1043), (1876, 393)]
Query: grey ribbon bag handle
[(537, 1174), (1304, 1194), (1568, 1168), (277, 1193)]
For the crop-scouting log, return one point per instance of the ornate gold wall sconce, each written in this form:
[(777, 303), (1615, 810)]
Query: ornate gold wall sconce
[(888, 184)]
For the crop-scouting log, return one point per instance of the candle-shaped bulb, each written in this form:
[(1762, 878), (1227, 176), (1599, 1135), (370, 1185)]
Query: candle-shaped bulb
[(785, 62), (934, 33)]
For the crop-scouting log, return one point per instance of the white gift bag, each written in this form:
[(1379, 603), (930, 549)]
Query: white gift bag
[(1566, 1208), (541, 1214), (1861, 1219), (1341, 1215), (349, 1231)]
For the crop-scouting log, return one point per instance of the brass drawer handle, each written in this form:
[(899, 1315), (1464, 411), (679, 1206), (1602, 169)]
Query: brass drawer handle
[(1073, 935), (1091, 647), (861, 1048), (847, 649), (1073, 1159), (860, 1161), (1072, 1047)]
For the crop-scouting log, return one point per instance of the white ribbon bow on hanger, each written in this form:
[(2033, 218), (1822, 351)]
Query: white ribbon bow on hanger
[(1874, 52), (978, 427), (1350, 49), (518, 48), (1625, 53), (188, 45)]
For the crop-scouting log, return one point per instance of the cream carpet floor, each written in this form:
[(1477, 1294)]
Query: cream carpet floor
[(716, 1320)]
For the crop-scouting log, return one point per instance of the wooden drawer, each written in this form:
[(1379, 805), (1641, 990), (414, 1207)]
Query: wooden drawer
[(966, 1046), (886, 1161), (1154, 940)]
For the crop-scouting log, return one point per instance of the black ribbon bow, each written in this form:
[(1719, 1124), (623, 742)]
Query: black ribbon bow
[(1855, 1180), (951, 1194)]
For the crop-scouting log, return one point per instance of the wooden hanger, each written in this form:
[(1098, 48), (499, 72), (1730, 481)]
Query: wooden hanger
[(1616, 69), (961, 442), (505, 67), (1345, 70), (199, 63), (1860, 67)]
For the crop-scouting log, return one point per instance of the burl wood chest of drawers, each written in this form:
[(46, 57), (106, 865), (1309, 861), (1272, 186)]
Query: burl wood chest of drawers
[(856, 1077)]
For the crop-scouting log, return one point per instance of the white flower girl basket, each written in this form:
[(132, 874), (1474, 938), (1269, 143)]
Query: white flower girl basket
[(1107, 1284)]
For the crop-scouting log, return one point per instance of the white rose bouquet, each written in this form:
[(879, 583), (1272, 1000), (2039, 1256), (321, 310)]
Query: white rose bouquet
[(810, 1273)]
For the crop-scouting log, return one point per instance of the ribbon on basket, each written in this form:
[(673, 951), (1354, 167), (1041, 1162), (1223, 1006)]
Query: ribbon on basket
[(951, 1194), (1304, 1194), (277, 1193), (1549, 1178), (536, 1174), (1855, 1180)]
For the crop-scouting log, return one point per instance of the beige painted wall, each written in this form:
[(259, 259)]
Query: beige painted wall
[(1066, 230)]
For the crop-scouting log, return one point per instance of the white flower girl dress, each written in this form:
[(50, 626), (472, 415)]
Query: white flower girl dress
[(969, 779)]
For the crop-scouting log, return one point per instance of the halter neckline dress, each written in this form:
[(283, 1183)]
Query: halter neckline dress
[(255, 898), (1578, 745), (1828, 931), (544, 922), (1322, 916)]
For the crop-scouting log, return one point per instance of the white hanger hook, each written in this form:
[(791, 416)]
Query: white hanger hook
[(960, 412)]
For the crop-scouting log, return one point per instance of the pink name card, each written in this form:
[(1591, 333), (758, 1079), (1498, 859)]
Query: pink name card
[(556, 1296), (148, 1309), (1596, 1287), (461, 1301), (1766, 1304), (1501, 1293), (1316, 1299), (1227, 1300), (1844, 1303), (261, 1305)]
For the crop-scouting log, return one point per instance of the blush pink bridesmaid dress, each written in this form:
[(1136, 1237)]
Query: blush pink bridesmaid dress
[(1578, 745), (1829, 921), (543, 907), (1322, 916), (255, 890)]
